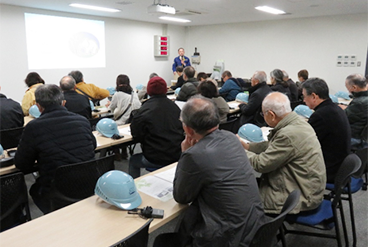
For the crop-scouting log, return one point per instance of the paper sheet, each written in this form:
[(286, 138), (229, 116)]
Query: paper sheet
[(156, 187), (168, 175), (233, 105), (125, 131)]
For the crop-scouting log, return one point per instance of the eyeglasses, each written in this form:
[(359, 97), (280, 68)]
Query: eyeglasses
[(261, 113)]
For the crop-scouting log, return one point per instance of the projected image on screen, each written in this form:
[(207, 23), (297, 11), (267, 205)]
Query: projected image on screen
[(61, 42)]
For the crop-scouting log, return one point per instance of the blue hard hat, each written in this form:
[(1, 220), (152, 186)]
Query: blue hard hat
[(1, 150), (177, 90), (118, 188), (334, 98), (243, 97), (139, 87), (303, 110), (92, 105), (251, 132), (111, 90), (342, 94), (107, 127), (34, 111)]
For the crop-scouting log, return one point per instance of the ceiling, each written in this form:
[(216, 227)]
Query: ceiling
[(207, 12)]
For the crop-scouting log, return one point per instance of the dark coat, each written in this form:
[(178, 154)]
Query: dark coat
[(278, 87), (157, 127), (333, 131), (357, 113), (11, 114), (226, 206), (250, 112), (188, 89), (56, 138), (179, 83), (293, 90), (78, 104)]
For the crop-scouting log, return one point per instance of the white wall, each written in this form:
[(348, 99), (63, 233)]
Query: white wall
[(129, 50), (291, 45), (310, 43)]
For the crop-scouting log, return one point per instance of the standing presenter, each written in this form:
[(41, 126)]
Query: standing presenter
[(180, 60)]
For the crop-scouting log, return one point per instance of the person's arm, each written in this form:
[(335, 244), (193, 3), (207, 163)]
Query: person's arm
[(276, 155), (252, 106), (100, 93), (174, 66), (27, 102), (137, 127), (188, 180), (225, 88), (319, 126), (26, 154)]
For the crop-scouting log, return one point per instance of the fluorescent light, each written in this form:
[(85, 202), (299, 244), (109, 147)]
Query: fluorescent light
[(270, 10), (83, 6), (168, 18)]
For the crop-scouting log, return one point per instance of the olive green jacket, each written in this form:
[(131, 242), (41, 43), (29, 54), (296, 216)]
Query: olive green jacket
[(291, 159)]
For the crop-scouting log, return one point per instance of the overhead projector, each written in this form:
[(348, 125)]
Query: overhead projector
[(161, 8)]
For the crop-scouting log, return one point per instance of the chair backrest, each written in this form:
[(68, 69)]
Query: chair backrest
[(75, 182), (349, 166), (14, 206), (138, 238), (363, 156), (265, 236), (229, 125), (10, 138)]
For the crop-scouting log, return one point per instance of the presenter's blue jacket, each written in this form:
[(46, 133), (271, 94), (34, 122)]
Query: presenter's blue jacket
[(177, 62)]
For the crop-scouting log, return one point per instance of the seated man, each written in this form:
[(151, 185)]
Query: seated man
[(58, 137), (226, 209), (357, 110), (11, 113), (230, 88), (180, 82), (291, 158), (250, 112), (330, 124), (75, 102), (190, 86), (94, 93), (156, 126)]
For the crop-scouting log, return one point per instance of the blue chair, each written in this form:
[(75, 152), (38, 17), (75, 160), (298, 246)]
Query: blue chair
[(325, 216)]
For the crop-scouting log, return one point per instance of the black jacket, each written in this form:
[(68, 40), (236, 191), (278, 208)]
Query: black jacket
[(11, 114), (188, 89), (357, 113), (78, 103), (333, 131), (293, 90), (179, 83), (278, 87), (157, 127), (250, 112), (227, 208), (56, 138)]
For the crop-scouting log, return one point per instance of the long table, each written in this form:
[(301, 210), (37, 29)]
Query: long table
[(102, 143), (90, 222)]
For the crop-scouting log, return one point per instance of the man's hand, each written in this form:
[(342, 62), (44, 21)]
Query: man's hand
[(187, 143), (108, 103), (245, 145), (343, 106)]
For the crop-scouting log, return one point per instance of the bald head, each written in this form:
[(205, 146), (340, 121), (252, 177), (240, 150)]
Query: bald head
[(277, 102), (200, 114), (67, 83)]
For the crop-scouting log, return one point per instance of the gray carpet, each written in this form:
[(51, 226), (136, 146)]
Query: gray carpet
[(360, 200)]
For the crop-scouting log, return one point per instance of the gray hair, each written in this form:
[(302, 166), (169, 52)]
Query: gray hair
[(152, 75), (279, 105), (49, 94), (357, 79), (77, 75), (200, 114), (67, 83), (261, 76), (286, 75), (189, 71)]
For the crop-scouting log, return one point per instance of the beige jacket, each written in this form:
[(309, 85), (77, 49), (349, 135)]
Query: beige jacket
[(291, 159), (29, 98)]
